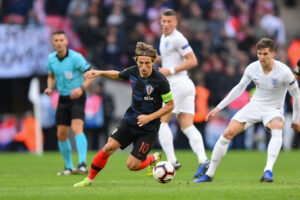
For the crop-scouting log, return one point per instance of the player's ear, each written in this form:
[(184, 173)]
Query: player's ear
[(273, 54)]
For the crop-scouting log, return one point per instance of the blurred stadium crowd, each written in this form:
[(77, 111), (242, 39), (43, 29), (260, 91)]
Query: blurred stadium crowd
[(222, 33)]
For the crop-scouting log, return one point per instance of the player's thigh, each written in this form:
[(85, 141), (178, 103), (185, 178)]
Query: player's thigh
[(234, 128), (63, 112), (78, 108), (249, 114), (143, 143), (184, 96), (123, 134), (274, 120), (185, 120)]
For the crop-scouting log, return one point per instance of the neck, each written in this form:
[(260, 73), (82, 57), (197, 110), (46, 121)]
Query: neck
[(62, 54), (269, 67)]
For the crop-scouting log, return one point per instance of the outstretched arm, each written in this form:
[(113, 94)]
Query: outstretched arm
[(294, 92), (112, 74), (190, 62), (233, 94)]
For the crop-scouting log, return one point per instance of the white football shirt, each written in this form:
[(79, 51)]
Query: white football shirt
[(270, 88), (173, 48)]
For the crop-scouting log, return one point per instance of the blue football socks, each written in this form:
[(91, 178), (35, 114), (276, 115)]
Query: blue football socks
[(81, 144), (66, 150)]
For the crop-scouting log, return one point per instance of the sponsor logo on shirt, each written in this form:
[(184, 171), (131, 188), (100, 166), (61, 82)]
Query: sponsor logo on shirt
[(68, 75)]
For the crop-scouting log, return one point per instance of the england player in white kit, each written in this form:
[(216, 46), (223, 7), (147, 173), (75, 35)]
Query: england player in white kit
[(176, 57), (272, 79)]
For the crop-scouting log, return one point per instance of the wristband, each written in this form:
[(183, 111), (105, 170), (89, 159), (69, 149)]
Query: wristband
[(172, 70)]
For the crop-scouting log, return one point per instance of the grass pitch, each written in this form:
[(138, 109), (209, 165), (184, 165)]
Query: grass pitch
[(26, 176)]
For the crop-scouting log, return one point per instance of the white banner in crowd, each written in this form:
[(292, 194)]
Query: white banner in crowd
[(23, 50)]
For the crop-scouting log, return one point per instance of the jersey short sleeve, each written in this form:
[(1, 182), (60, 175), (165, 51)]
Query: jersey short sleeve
[(290, 77), (81, 63), (49, 69), (165, 90), (126, 72), (183, 46)]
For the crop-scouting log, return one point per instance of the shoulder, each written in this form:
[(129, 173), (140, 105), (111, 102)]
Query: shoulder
[(74, 54), (133, 70), (52, 55), (177, 34), (281, 65), (252, 67), (282, 69), (158, 76)]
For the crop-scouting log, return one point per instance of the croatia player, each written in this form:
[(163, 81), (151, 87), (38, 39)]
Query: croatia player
[(272, 79), (176, 58), (141, 121)]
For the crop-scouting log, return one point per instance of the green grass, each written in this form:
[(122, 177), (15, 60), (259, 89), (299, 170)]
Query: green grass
[(26, 176)]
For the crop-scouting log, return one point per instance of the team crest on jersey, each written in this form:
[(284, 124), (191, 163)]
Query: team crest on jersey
[(275, 82), (149, 90), (166, 44)]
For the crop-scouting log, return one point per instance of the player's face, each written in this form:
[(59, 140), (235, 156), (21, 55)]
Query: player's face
[(145, 65), (168, 24), (265, 57), (59, 42)]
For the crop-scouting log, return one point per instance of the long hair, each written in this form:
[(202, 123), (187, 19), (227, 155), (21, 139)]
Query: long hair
[(143, 49)]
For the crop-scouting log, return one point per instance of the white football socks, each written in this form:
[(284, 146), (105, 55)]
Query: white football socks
[(274, 148), (218, 153), (166, 142), (196, 143)]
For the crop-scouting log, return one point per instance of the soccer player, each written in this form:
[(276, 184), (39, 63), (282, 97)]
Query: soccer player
[(297, 76), (142, 119), (272, 79), (65, 69), (176, 58)]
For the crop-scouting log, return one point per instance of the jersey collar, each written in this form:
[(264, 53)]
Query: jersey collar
[(61, 59)]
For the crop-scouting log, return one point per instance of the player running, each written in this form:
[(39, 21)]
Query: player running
[(142, 119)]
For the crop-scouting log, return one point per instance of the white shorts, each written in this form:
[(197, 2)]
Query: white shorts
[(253, 113), (183, 91)]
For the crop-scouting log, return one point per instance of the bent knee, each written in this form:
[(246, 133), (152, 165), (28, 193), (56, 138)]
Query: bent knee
[(109, 148), (229, 135), (276, 123), (132, 166)]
